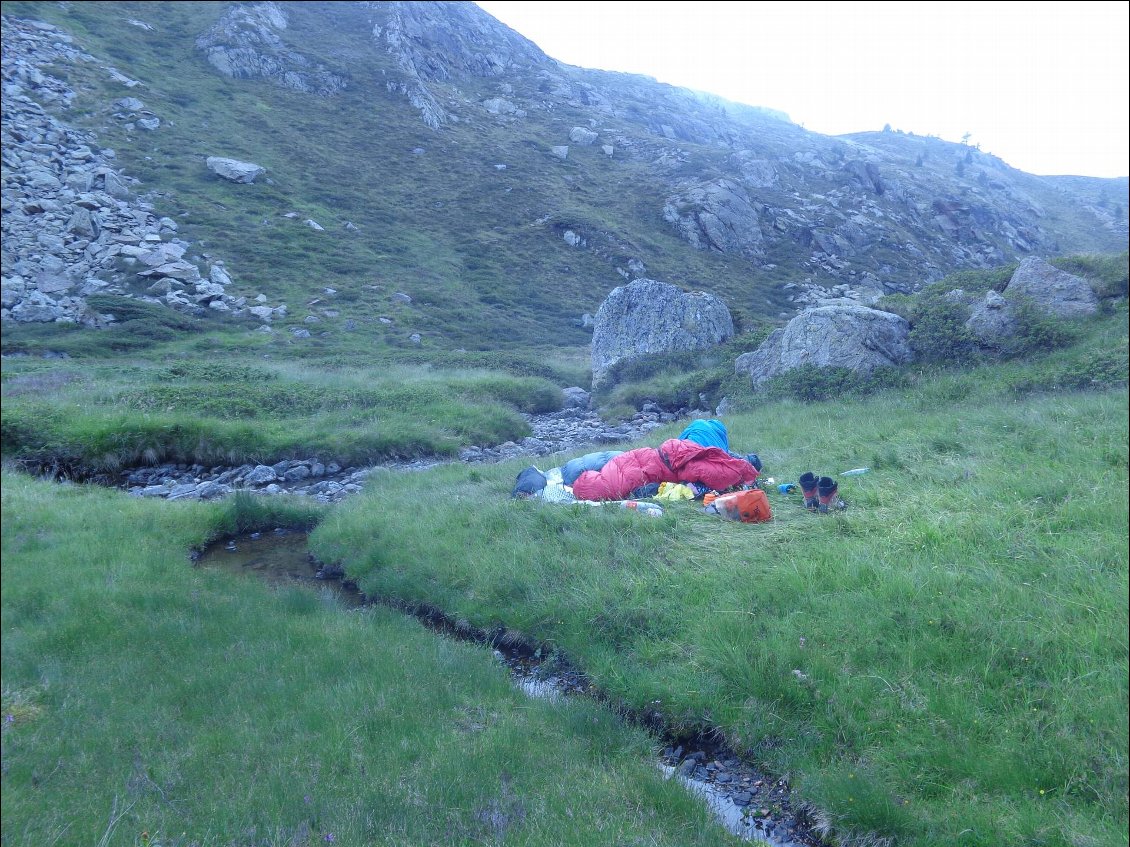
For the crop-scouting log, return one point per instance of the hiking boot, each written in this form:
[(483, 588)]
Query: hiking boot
[(827, 488), (808, 485)]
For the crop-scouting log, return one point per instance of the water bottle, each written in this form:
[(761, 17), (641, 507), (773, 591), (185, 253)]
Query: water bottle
[(651, 509)]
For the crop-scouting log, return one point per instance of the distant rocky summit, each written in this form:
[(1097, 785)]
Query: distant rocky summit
[(647, 317)]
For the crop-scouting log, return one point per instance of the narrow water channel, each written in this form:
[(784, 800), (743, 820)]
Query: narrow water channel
[(746, 802)]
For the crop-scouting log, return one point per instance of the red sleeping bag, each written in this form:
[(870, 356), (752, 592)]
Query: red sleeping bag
[(675, 460)]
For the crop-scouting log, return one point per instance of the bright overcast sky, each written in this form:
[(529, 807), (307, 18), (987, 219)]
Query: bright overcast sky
[(1042, 85)]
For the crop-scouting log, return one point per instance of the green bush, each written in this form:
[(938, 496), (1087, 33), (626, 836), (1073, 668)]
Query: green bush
[(938, 333), (217, 372), (1037, 332), (974, 281), (1098, 370), (897, 304)]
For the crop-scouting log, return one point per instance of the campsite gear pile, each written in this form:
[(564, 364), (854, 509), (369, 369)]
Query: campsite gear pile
[(698, 465)]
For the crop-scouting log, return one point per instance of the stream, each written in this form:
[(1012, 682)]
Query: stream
[(747, 802)]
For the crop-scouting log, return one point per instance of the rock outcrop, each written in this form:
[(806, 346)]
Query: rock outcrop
[(716, 216), (647, 317), (245, 44), (842, 336), (437, 42)]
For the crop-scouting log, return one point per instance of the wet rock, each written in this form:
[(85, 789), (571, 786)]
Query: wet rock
[(180, 492), (297, 473)]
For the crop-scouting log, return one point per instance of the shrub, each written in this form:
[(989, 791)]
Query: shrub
[(973, 281), (897, 304), (938, 333), (1108, 275), (1037, 332), (1096, 371)]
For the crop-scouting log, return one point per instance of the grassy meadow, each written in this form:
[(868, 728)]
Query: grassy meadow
[(103, 414), (147, 702), (945, 662)]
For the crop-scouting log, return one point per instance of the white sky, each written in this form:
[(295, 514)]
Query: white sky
[(1042, 85)]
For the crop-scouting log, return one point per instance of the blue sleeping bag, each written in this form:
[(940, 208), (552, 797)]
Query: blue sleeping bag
[(588, 462), (707, 433)]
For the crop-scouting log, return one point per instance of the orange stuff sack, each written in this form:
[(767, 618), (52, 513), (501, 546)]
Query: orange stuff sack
[(750, 506)]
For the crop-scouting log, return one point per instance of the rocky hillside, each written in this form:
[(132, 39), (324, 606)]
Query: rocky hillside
[(424, 176)]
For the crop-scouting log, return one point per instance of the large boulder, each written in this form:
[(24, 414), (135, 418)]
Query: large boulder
[(580, 135), (716, 216), (647, 317), (1054, 292), (234, 170), (842, 336), (991, 320)]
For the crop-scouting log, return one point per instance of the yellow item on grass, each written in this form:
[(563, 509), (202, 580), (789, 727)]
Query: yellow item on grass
[(672, 492)]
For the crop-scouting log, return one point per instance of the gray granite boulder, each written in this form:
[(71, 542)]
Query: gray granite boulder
[(234, 170), (992, 319), (647, 317), (844, 336), (1054, 292), (580, 135)]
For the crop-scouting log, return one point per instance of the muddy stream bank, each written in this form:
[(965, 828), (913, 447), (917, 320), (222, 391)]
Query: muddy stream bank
[(747, 802)]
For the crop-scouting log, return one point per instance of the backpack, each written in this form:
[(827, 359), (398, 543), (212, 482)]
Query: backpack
[(750, 506)]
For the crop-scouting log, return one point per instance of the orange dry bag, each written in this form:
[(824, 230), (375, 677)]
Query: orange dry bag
[(750, 506)]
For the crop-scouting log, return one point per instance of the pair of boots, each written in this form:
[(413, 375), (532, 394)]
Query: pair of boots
[(819, 493)]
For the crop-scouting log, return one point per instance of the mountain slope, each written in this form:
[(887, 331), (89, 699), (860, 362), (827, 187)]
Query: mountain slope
[(421, 136)]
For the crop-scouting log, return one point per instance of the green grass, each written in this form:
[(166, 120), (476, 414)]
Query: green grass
[(147, 702), (948, 656), (96, 416)]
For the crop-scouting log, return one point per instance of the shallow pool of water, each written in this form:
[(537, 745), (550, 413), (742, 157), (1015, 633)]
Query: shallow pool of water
[(279, 556)]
